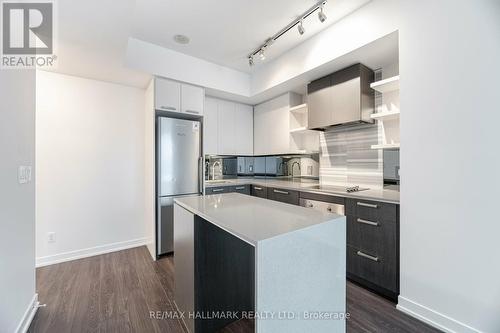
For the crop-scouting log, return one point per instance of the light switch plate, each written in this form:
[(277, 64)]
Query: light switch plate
[(24, 174)]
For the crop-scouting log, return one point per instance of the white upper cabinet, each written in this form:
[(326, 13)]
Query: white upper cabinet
[(167, 95), (243, 129), (228, 128), (227, 133), (272, 125), (178, 97), (192, 98), (211, 127)]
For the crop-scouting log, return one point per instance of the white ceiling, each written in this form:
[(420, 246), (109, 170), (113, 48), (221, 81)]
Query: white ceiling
[(226, 31), (92, 35)]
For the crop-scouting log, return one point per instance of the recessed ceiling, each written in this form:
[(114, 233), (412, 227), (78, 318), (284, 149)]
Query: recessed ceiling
[(226, 31)]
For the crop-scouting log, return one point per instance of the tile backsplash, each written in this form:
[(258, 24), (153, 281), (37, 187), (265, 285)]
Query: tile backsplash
[(346, 157)]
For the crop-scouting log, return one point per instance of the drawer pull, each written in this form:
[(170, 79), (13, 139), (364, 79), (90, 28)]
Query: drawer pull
[(217, 190), (367, 256), (171, 108), (281, 192), (192, 111), (375, 224), (363, 204), (239, 188), (257, 188)]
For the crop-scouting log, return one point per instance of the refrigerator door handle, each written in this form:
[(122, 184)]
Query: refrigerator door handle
[(201, 171)]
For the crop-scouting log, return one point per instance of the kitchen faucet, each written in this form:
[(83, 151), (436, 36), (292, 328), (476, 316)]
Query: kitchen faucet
[(293, 164), (213, 169)]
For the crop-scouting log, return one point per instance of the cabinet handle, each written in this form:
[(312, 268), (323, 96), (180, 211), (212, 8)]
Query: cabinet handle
[(363, 204), (367, 256), (239, 188), (217, 190), (191, 111), (375, 224), (171, 108), (281, 192), (257, 188)]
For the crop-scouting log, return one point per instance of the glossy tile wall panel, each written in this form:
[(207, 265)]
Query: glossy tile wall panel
[(346, 157)]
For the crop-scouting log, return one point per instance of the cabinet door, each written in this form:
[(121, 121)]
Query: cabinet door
[(227, 133), (319, 100), (167, 95), (211, 127), (192, 99), (243, 129), (261, 131), (272, 126)]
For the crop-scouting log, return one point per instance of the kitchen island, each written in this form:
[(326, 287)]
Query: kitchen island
[(238, 257)]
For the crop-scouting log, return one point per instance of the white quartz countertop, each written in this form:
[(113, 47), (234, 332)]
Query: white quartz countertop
[(253, 219), (306, 185)]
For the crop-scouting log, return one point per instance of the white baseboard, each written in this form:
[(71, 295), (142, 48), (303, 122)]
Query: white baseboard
[(89, 252), (433, 318), (28, 316)]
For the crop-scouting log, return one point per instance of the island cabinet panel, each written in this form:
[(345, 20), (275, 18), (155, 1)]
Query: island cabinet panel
[(224, 275), (373, 245), (282, 195), (259, 191)]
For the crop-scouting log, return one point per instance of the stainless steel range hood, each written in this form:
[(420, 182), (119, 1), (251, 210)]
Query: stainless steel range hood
[(342, 98)]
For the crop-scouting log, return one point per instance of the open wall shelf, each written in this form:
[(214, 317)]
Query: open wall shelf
[(387, 85)]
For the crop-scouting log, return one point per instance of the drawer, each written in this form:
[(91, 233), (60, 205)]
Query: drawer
[(286, 196), (216, 190), (259, 191), (322, 197), (378, 237), (243, 189), (372, 210), (378, 270)]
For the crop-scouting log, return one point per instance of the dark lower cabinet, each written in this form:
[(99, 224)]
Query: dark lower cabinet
[(217, 190), (259, 191), (286, 196), (373, 245), (243, 189)]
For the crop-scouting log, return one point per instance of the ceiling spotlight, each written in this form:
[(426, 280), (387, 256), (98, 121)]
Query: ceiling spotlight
[(181, 39), (321, 15), (300, 27), (250, 60), (262, 55)]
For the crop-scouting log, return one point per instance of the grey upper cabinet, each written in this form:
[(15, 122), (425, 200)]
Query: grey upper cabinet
[(319, 97), (344, 97)]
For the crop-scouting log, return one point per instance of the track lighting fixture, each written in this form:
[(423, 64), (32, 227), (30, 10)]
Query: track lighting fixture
[(321, 15), (297, 22), (300, 27)]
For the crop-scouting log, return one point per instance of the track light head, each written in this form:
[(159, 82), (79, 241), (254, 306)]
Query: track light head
[(250, 61), (321, 15), (300, 27), (262, 55)]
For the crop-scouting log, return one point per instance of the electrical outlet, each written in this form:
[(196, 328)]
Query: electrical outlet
[(24, 174), (51, 237)]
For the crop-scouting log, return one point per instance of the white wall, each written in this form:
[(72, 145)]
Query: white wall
[(90, 158), (450, 225), (17, 201)]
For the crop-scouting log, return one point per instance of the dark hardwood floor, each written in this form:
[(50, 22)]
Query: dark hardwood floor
[(116, 292)]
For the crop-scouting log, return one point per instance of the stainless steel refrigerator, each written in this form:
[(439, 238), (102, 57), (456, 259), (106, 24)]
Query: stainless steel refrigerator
[(179, 172)]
